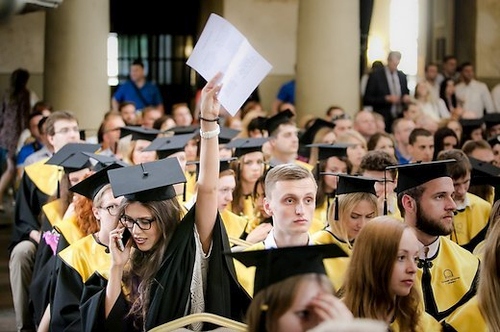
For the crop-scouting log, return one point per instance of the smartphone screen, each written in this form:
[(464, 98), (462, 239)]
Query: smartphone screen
[(125, 237)]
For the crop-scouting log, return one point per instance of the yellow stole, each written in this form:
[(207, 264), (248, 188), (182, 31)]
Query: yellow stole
[(44, 176), (454, 274)]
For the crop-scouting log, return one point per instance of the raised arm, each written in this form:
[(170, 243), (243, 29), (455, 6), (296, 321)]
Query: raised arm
[(206, 207)]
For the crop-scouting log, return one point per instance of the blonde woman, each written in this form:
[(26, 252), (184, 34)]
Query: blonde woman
[(356, 151)]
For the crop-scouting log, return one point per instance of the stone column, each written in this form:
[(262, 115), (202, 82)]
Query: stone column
[(76, 60), (328, 46)]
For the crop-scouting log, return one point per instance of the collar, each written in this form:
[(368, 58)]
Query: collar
[(270, 242), (433, 249)]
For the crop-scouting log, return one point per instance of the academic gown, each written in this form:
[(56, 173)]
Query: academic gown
[(466, 318), (235, 225), (79, 262), (336, 268), (38, 182), (223, 297), (471, 224), (447, 280), (44, 262)]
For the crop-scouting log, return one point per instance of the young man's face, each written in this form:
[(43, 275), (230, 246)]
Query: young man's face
[(434, 211), (422, 149), (286, 141), (379, 185), (291, 205), (461, 186), (65, 131)]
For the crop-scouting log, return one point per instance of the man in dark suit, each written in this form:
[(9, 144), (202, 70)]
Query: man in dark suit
[(387, 89)]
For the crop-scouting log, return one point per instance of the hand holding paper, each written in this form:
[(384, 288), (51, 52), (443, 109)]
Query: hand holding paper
[(222, 48)]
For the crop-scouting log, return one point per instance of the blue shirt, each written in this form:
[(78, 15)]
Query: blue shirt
[(287, 92), (127, 92), (26, 151)]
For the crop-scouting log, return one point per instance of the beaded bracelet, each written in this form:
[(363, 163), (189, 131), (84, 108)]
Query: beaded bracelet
[(208, 120), (210, 134)]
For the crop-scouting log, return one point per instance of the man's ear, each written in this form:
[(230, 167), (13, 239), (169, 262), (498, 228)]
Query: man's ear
[(267, 206), (409, 203)]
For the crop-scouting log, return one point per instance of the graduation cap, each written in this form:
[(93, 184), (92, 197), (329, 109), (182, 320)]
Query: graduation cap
[(71, 158), (277, 264), (180, 130), (484, 173), (491, 119), (326, 151), (166, 146), (137, 132), (151, 181), (275, 121), (89, 187), (349, 184), (102, 161), (469, 125), (494, 141), (242, 146), (415, 174), (227, 134), (224, 165), (308, 136)]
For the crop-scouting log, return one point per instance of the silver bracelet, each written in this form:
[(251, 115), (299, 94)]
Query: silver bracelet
[(210, 134)]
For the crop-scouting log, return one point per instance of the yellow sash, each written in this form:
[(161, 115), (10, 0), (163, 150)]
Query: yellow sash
[(336, 268), (453, 275), (235, 225), (52, 211), (69, 228), (44, 176), (472, 222), (86, 256), (468, 318)]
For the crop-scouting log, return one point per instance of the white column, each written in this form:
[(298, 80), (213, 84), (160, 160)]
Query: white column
[(327, 56), (76, 60)]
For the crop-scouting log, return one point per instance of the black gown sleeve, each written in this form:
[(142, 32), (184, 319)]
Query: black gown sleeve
[(29, 202)]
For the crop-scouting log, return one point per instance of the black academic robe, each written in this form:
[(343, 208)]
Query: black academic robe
[(38, 182), (42, 272), (171, 293), (78, 262)]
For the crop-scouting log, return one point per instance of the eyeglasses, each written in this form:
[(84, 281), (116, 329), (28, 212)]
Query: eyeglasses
[(112, 209), (142, 223), (66, 130)]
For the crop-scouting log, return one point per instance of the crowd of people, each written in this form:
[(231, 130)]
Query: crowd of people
[(385, 217)]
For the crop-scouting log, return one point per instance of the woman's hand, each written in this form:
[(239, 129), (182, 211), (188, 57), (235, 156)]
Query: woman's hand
[(329, 307), (119, 257), (210, 105)]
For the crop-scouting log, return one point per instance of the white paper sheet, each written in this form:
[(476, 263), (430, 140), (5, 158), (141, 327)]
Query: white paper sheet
[(221, 47)]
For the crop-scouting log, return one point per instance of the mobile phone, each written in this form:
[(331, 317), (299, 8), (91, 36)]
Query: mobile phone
[(125, 237)]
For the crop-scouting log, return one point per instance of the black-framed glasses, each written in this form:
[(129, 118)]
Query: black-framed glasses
[(142, 223), (112, 209)]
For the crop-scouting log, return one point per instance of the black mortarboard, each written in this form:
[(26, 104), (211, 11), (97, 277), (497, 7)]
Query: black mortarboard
[(277, 264), (308, 135), (103, 161), (468, 125), (180, 130), (227, 134), (243, 146), (165, 146), (491, 119), (89, 187), (71, 158), (494, 141), (224, 165), (349, 184), (275, 121), (415, 174), (151, 181), (353, 184), (484, 173), (137, 132), (326, 151)]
